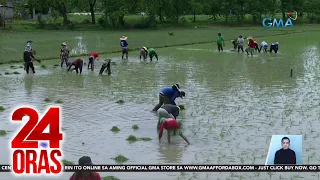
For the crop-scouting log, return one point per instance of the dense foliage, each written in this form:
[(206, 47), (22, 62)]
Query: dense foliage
[(172, 11)]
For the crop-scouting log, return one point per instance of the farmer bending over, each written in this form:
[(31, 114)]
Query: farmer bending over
[(104, 66), (172, 126), (78, 64), (124, 46), (93, 56), (168, 111), (143, 53), (263, 45), (274, 47), (64, 54), (251, 46), (152, 53), (169, 95), (235, 44)]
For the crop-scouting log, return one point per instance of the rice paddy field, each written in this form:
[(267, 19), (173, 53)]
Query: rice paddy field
[(234, 102)]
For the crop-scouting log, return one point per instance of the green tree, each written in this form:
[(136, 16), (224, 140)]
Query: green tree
[(87, 6), (59, 5)]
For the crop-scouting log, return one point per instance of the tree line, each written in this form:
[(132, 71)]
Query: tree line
[(170, 11)]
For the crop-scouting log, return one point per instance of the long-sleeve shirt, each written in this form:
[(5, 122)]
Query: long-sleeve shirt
[(168, 124), (27, 56), (152, 53), (220, 40), (172, 109), (252, 44), (171, 94), (124, 43), (287, 156)]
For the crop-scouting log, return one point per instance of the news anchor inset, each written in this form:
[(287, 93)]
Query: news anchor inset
[(285, 150)]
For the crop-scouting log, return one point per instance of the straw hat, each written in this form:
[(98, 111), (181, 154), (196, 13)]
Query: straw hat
[(250, 37), (145, 48), (64, 44), (123, 38)]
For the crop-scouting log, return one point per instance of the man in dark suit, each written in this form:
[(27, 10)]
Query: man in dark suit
[(285, 155)]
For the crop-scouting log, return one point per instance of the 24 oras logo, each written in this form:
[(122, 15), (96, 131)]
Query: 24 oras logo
[(268, 22), (27, 156)]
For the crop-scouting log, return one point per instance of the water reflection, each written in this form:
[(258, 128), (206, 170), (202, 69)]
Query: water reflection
[(170, 153), (28, 83)]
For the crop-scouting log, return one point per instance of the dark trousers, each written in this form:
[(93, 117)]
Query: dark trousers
[(78, 68), (105, 66), (274, 48), (162, 100), (220, 47), (257, 47), (29, 65), (240, 47)]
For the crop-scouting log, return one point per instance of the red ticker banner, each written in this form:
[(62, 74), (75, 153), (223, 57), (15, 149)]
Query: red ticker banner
[(186, 168)]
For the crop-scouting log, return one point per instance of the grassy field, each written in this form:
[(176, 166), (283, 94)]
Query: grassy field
[(47, 43)]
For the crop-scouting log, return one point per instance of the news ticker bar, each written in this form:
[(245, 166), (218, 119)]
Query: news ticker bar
[(185, 168)]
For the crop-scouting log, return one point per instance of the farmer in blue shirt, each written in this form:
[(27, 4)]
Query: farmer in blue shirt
[(169, 95), (124, 46)]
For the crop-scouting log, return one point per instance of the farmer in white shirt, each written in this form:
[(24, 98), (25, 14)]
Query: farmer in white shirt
[(264, 45), (240, 43)]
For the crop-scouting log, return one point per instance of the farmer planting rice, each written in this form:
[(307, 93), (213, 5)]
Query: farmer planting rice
[(93, 56), (263, 45), (251, 46), (256, 46), (235, 44), (220, 42), (28, 58), (124, 46), (64, 54), (274, 47), (168, 96), (106, 66), (143, 53), (240, 42), (78, 64), (168, 111), (173, 128), (152, 53)]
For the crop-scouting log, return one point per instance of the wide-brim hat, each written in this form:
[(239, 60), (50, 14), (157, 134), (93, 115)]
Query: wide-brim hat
[(250, 38), (145, 48), (123, 38), (63, 44)]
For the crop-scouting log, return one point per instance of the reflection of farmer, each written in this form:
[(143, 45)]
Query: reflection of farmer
[(84, 175), (93, 56), (64, 54), (152, 53), (143, 53), (274, 47), (78, 64), (263, 45), (169, 95), (124, 46), (173, 128), (106, 66), (220, 42), (28, 57)]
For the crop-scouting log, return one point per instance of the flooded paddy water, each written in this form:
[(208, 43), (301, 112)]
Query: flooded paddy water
[(234, 104)]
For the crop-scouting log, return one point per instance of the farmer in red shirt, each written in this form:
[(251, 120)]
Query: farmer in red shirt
[(93, 56), (173, 128), (251, 47), (82, 175)]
